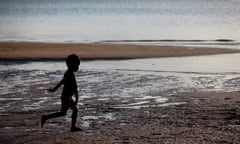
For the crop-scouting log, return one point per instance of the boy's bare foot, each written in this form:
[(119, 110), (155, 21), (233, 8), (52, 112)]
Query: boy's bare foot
[(74, 129), (43, 120)]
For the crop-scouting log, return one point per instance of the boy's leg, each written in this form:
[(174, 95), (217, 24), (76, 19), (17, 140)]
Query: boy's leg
[(50, 116), (54, 115), (74, 118)]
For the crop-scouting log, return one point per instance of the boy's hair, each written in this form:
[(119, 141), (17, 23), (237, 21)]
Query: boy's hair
[(72, 59)]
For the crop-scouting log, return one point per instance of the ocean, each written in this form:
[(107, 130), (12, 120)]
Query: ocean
[(204, 22)]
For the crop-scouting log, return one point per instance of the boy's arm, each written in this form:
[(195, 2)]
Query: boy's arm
[(56, 87), (76, 96)]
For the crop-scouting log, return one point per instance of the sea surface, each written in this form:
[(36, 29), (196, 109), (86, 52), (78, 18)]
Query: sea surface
[(161, 22)]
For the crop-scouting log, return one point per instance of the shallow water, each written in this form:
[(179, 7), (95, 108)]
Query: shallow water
[(226, 63), (118, 83)]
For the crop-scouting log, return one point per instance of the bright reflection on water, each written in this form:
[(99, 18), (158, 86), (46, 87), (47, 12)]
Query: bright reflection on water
[(129, 83), (198, 64)]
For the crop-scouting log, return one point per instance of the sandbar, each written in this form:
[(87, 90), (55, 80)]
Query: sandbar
[(38, 50)]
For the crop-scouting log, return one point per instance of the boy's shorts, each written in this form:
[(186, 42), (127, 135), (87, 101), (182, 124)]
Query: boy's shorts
[(66, 103)]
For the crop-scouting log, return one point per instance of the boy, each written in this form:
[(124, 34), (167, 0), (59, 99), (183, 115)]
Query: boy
[(69, 89)]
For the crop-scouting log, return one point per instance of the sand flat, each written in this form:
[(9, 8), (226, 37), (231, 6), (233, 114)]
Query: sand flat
[(36, 50)]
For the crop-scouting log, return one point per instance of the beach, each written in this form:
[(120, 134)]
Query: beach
[(120, 101), (151, 72)]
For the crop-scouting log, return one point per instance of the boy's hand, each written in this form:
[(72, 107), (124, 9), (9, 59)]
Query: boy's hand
[(75, 103), (51, 90)]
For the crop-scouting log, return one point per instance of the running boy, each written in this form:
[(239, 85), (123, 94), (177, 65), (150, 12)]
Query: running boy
[(69, 89)]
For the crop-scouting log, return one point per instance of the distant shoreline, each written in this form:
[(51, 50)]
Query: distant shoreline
[(59, 51)]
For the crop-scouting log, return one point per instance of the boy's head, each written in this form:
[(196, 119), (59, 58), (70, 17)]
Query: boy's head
[(73, 62)]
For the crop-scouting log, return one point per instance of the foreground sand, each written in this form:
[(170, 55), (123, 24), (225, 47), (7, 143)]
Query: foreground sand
[(202, 118), (27, 50)]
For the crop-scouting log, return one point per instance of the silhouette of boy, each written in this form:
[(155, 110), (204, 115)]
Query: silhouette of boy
[(69, 89)]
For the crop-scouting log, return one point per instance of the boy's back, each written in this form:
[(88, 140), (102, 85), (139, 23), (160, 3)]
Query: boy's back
[(70, 84)]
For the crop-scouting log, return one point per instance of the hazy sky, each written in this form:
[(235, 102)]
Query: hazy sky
[(114, 19)]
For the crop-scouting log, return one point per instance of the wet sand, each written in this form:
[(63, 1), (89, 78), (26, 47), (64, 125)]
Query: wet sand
[(34, 50), (207, 117)]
